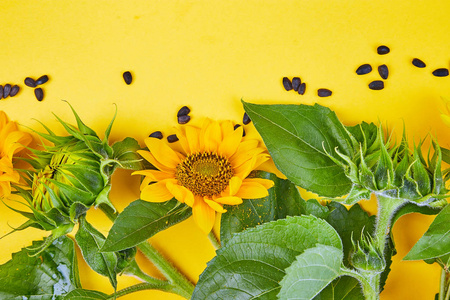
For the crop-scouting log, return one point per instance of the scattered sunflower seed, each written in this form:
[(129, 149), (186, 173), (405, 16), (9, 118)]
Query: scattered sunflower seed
[(127, 77), (237, 126), (383, 71), (302, 88), (287, 84), (183, 111), (156, 134), (376, 85), (1, 91), (442, 72), (364, 69), (39, 93), (324, 92), (6, 90), (246, 119), (296, 83), (30, 82), (41, 80), (14, 90), (418, 63), (172, 138), (183, 119), (383, 50)]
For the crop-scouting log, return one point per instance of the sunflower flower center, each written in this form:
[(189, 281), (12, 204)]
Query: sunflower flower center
[(204, 174)]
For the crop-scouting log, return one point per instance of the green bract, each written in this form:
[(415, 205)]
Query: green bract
[(380, 166), (365, 257), (72, 175)]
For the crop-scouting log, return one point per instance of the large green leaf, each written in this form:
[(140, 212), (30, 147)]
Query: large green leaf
[(342, 288), (141, 220), (48, 276), (90, 241), (252, 263), (298, 138), (436, 240), (312, 271), (283, 200), (81, 294), (350, 224)]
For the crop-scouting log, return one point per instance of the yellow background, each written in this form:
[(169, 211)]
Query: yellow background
[(208, 55)]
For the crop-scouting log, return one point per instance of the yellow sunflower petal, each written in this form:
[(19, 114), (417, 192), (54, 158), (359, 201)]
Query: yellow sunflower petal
[(204, 216), (214, 205), (181, 193), (213, 137), (250, 165), (156, 192), (146, 181), (151, 159), (231, 200), (231, 143), (162, 152), (193, 138), (201, 136), (183, 140), (3, 119), (267, 183), (227, 128), (234, 184), (252, 190), (154, 175), (16, 141)]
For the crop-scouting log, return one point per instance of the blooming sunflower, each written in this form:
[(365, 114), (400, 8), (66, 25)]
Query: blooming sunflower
[(12, 141), (209, 169)]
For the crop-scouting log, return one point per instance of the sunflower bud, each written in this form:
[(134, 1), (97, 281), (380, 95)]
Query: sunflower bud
[(365, 257)]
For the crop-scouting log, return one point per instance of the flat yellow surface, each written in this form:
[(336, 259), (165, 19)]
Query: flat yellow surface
[(208, 55)]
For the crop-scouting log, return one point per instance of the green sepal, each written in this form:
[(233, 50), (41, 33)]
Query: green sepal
[(384, 172), (77, 210), (56, 233), (28, 223), (420, 173), (108, 129), (125, 152), (356, 194), (72, 193), (81, 126), (103, 198)]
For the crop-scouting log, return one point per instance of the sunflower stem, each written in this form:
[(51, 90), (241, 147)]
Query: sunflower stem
[(214, 240), (177, 282), (185, 287)]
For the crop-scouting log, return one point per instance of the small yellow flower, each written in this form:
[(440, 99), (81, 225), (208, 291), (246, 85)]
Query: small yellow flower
[(12, 141), (209, 170)]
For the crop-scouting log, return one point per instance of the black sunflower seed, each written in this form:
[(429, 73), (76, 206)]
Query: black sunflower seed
[(6, 90), (183, 119), (383, 71), (383, 50), (172, 138), (376, 85), (287, 84), (156, 134), (324, 92), (442, 72), (237, 126), (418, 63), (302, 88), (1, 91), (30, 82), (183, 111), (246, 119), (41, 80), (296, 83), (127, 77), (364, 69), (39, 93), (14, 90)]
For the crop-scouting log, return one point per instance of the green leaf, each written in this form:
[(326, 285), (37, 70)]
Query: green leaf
[(48, 276), (81, 294), (125, 153), (283, 200), (141, 220), (342, 288), (252, 263), (350, 224), (313, 207), (312, 271), (90, 241), (445, 155), (298, 138), (436, 240)]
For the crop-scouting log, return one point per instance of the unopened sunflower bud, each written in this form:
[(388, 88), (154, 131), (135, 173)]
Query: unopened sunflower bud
[(366, 258)]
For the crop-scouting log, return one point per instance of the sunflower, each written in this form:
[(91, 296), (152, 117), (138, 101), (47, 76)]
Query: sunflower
[(209, 169), (12, 141)]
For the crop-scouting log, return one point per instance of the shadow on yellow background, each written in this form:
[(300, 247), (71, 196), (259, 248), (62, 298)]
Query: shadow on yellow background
[(208, 55)]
